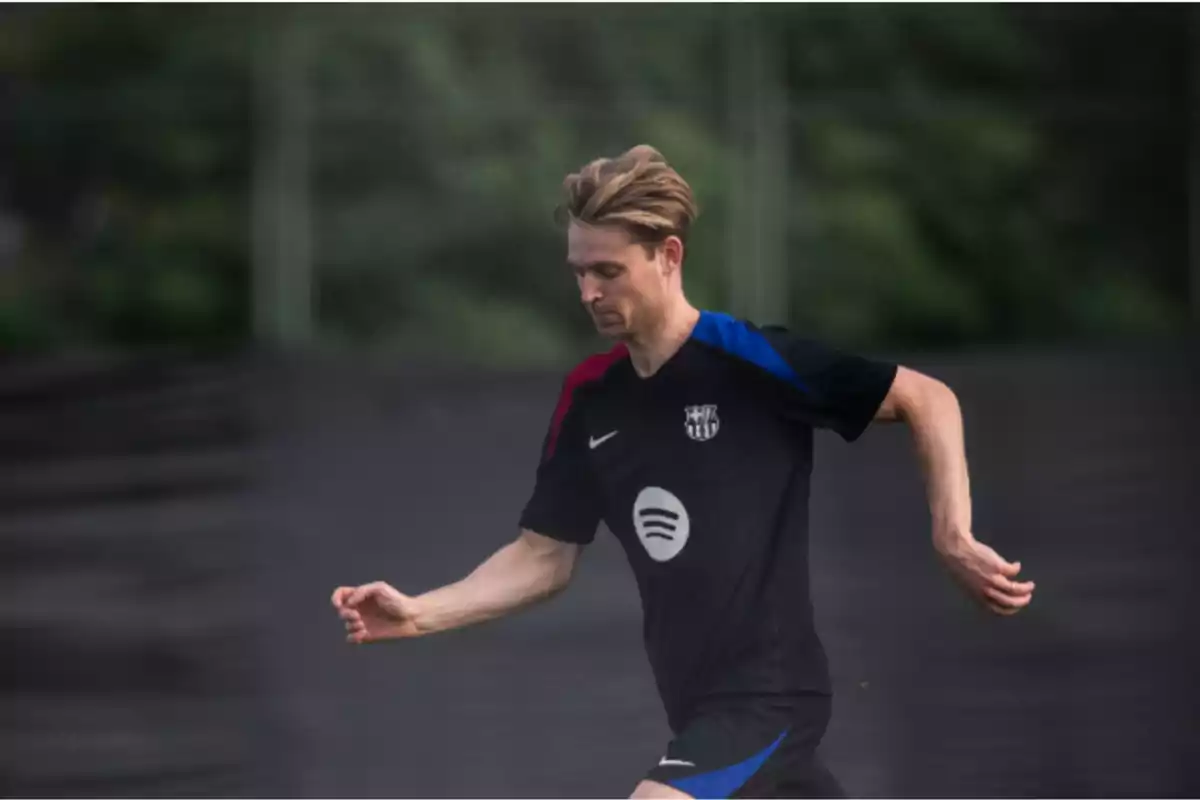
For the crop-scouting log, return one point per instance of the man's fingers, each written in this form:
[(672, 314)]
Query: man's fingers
[(363, 592), (359, 635), (1005, 584), (344, 599), (1005, 600), (998, 608), (1010, 569), (339, 596)]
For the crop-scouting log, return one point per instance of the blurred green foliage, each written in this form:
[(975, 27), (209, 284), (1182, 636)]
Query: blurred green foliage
[(960, 174)]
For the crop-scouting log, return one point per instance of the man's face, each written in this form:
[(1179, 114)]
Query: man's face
[(622, 286)]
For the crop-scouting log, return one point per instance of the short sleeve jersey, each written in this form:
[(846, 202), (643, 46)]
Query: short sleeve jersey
[(701, 471)]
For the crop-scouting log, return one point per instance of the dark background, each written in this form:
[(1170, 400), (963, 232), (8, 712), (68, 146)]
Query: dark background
[(173, 532), (281, 309)]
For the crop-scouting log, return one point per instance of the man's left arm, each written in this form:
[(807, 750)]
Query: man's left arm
[(846, 393), (932, 412)]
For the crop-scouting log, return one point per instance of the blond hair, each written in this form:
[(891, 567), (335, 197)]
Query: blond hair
[(637, 191)]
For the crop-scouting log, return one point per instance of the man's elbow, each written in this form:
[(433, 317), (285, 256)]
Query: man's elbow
[(555, 560), (915, 395), (559, 577)]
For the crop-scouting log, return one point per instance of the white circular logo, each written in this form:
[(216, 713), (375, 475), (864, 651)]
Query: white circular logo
[(661, 523)]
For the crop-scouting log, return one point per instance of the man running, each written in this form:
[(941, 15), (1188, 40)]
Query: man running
[(692, 439)]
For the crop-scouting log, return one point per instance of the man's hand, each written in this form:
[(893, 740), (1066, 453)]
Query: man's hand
[(986, 576), (375, 611), (528, 570)]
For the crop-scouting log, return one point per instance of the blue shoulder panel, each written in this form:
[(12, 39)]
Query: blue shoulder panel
[(739, 339)]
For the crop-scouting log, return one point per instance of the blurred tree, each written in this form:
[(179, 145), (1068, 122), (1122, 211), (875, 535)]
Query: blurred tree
[(954, 176), (127, 139), (980, 189)]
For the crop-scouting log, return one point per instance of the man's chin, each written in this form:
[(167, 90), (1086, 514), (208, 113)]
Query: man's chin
[(612, 329)]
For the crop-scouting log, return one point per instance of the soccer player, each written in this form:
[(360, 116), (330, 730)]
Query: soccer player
[(692, 439)]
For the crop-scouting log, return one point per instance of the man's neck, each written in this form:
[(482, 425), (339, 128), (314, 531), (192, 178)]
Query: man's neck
[(650, 350)]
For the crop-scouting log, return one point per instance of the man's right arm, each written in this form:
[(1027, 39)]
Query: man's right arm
[(528, 570), (564, 506)]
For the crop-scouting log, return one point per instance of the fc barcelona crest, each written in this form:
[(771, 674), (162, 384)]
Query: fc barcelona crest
[(701, 422)]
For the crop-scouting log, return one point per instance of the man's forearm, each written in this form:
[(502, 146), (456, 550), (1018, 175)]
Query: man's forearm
[(515, 576), (935, 418)]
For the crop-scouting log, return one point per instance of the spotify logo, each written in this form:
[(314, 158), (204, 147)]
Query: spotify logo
[(661, 523)]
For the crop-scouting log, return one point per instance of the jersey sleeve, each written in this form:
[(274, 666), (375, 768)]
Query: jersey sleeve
[(829, 388), (564, 504)]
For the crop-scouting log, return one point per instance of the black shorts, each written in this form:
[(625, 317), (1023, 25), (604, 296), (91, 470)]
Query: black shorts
[(751, 748)]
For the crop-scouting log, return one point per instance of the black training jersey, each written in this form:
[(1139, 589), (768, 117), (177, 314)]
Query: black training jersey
[(702, 472)]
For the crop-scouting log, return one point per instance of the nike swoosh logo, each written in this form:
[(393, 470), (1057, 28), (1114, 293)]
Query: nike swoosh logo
[(674, 762), (596, 442)]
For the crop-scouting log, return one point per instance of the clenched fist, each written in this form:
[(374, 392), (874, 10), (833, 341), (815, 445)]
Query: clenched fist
[(375, 611), (986, 576)]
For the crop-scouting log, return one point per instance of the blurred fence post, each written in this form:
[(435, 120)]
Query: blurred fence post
[(757, 233), (282, 285)]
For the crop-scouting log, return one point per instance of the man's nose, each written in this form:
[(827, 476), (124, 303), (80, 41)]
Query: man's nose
[(589, 289)]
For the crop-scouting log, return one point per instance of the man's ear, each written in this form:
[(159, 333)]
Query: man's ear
[(672, 254)]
